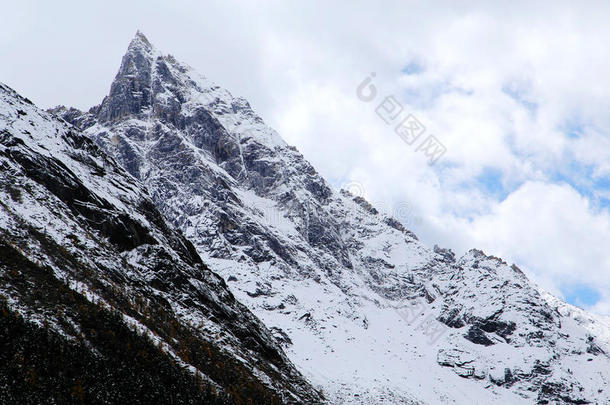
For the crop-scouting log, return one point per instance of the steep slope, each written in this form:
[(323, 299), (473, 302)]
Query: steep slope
[(362, 307), (116, 293)]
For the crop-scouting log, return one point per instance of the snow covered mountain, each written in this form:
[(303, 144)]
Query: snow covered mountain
[(367, 312), (100, 300)]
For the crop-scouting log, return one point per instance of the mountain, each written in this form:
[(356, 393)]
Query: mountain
[(364, 309), (101, 301)]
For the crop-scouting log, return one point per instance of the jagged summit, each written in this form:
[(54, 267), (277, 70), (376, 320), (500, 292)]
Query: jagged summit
[(131, 91), (140, 41), (330, 274), (151, 85)]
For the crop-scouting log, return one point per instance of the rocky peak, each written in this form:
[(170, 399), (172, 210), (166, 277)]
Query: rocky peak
[(140, 41), (326, 267), (131, 90)]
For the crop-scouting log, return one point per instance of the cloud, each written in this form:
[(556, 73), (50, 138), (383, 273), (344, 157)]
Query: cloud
[(517, 93), (554, 231)]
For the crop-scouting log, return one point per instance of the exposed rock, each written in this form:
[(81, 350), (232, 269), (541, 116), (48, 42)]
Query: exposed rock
[(83, 248), (257, 210)]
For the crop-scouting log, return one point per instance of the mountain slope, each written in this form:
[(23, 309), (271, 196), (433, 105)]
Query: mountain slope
[(361, 306), (85, 254)]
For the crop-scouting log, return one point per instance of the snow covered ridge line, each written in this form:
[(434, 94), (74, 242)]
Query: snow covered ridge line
[(402, 212), (338, 283), (407, 126)]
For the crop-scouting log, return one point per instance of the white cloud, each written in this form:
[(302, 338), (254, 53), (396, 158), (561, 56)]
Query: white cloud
[(500, 85), (553, 230)]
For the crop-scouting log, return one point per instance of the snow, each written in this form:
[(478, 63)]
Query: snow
[(37, 207), (345, 323)]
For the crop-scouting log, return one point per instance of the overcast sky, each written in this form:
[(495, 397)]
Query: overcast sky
[(519, 96)]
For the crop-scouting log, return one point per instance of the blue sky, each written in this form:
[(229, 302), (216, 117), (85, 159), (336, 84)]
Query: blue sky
[(581, 295)]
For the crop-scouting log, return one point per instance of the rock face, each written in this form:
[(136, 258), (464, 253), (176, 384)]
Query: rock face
[(102, 301), (361, 306)]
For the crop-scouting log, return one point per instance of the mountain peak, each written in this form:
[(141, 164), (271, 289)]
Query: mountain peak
[(140, 42), (154, 85), (140, 35), (131, 90), (324, 267)]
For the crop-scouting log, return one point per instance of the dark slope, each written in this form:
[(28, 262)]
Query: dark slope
[(85, 254)]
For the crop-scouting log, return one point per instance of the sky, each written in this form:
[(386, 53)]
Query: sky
[(516, 96)]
